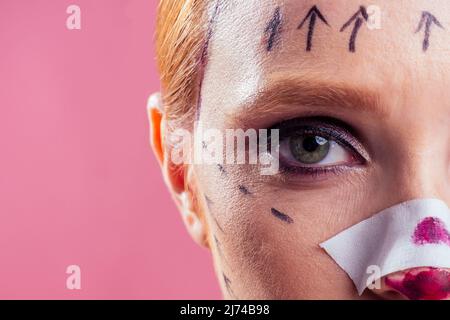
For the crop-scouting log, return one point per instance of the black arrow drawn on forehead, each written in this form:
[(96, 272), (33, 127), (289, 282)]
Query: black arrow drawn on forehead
[(273, 29), (427, 20), (357, 19), (312, 15)]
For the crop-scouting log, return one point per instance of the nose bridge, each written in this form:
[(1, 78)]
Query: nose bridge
[(423, 171)]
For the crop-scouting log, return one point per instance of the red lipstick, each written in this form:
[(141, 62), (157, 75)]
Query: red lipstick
[(421, 283)]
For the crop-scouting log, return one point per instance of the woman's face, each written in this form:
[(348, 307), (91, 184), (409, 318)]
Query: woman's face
[(364, 124)]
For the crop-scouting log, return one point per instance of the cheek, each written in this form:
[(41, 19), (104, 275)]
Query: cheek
[(265, 241)]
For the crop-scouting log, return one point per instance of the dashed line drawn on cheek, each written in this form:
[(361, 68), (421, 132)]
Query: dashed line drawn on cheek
[(221, 168), (218, 224), (244, 190), (273, 30), (282, 216), (227, 282), (357, 20), (209, 204), (427, 20), (220, 250)]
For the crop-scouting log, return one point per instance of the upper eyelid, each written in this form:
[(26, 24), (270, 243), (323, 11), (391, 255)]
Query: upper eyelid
[(314, 126)]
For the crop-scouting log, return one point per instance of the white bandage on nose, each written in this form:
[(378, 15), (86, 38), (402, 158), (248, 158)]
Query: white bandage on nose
[(408, 235)]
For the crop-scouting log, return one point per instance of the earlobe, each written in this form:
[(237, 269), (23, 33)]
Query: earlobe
[(193, 220)]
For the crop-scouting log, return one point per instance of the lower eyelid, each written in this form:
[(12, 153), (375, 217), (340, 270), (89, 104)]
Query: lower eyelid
[(311, 174)]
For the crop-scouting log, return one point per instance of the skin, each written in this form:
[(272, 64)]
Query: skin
[(403, 129)]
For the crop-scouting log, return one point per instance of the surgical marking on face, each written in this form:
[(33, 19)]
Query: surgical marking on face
[(221, 168), (312, 15), (209, 202), (244, 190), (357, 19), (273, 30), (219, 250), (218, 245), (427, 20), (218, 224), (204, 56), (211, 25), (227, 282), (282, 216)]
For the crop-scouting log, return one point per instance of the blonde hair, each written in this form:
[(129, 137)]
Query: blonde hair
[(181, 39)]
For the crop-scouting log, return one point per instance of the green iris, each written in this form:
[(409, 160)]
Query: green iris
[(309, 149)]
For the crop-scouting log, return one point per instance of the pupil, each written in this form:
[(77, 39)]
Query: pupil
[(309, 149), (311, 143)]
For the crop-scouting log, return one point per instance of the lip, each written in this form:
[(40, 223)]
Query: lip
[(426, 283)]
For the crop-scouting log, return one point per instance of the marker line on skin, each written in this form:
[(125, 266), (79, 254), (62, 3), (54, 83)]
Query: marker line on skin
[(273, 30), (282, 216), (209, 203), (221, 168), (228, 285), (211, 25), (218, 224), (219, 250), (218, 245), (204, 55), (427, 20), (244, 190), (312, 15), (358, 18)]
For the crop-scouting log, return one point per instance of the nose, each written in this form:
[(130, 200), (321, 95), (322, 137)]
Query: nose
[(420, 170), (425, 283)]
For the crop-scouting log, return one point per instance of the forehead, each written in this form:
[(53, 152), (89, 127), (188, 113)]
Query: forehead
[(256, 42)]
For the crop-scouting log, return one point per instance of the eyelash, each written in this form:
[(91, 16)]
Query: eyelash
[(328, 128)]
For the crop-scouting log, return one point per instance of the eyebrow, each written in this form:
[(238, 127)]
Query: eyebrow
[(283, 94)]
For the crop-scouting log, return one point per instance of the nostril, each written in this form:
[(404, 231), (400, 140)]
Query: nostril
[(420, 283)]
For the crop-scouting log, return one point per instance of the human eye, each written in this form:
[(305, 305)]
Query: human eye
[(317, 146)]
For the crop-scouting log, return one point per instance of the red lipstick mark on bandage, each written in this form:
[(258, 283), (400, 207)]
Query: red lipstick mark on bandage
[(431, 230)]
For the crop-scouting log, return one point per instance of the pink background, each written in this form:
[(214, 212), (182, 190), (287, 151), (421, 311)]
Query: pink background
[(78, 183)]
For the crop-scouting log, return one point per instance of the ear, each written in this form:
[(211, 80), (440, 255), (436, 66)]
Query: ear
[(180, 178)]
